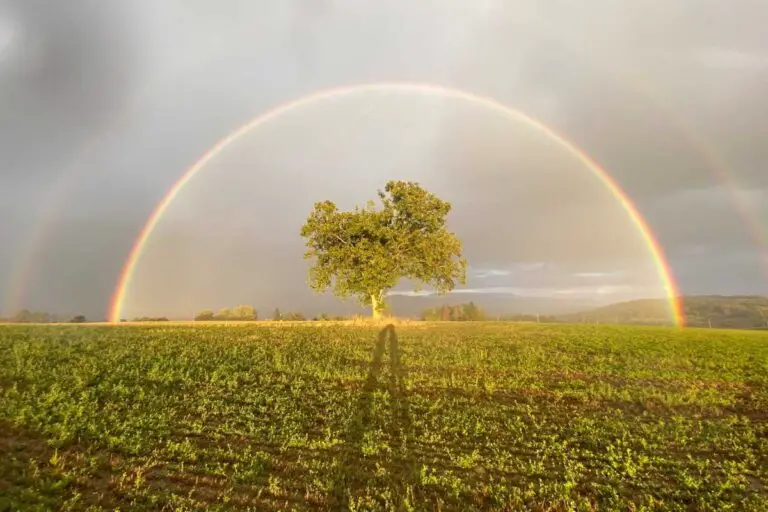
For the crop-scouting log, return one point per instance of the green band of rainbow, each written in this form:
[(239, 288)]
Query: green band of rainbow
[(656, 252)]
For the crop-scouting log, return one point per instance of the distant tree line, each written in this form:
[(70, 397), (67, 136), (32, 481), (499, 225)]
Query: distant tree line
[(238, 314), (37, 317), (245, 314), (325, 317), (545, 319), (26, 316), (469, 312), (279, 316), (740, 312)]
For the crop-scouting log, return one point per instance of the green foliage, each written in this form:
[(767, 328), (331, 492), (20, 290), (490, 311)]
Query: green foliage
[(205, 316), (530, 318), (151, 319), (244, 313), (276, 316), (365, 252), (460, 416), (241, 313), (469, 312), (78, 319)]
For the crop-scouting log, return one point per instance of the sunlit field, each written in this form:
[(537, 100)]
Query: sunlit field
[(412, 417)]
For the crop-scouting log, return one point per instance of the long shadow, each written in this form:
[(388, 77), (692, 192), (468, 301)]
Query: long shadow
[(401, 415), (405, 466), (357, 467), (365, 402)]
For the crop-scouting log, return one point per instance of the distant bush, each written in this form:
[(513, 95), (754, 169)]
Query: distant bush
[(205, 316), (325, 317), (456, 313), (79, 319), (292, 316), (238, 314)]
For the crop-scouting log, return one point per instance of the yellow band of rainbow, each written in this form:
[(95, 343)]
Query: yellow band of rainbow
[(655, 250)]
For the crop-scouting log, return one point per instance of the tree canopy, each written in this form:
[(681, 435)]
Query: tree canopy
[(363, 253)]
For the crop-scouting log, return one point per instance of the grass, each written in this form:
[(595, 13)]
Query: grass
[(450, 417)]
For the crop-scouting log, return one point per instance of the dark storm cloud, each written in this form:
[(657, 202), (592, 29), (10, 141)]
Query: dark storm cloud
[(67, 69), (652, 90), (89, 255), (667, 97)]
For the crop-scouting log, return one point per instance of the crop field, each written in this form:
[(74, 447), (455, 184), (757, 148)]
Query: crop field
[(454, 416)]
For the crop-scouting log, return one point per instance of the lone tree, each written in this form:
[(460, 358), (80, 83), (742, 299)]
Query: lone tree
[(365, 252)]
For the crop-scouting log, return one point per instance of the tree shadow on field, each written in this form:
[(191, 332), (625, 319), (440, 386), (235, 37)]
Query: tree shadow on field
[(372, 441), (400, 408)]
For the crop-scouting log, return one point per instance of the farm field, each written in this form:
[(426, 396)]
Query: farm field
[(453, 416)]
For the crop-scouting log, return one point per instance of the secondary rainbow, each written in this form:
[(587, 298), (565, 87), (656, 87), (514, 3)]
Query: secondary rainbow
[(655, 250), (716, 162)]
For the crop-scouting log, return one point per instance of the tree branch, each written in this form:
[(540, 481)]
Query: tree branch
[(345, 242)]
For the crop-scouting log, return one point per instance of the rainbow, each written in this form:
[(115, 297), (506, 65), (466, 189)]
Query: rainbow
[(32, 247), (14, 296), (656, 252)]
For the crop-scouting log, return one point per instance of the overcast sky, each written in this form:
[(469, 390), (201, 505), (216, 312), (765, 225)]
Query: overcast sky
[(103, 106)]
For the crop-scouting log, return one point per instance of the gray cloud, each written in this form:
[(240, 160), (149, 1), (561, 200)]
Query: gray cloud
[(636, 87), (126, 98), (67, 68)]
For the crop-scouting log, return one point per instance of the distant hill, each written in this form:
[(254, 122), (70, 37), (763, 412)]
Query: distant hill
[(412, 306), (737, 312), (494, 305), (734, 312), (728, 312)]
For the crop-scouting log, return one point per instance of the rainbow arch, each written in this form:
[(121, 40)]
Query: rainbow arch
[(655, 250)]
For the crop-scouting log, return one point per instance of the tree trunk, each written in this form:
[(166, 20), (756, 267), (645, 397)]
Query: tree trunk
[(376, 305)]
